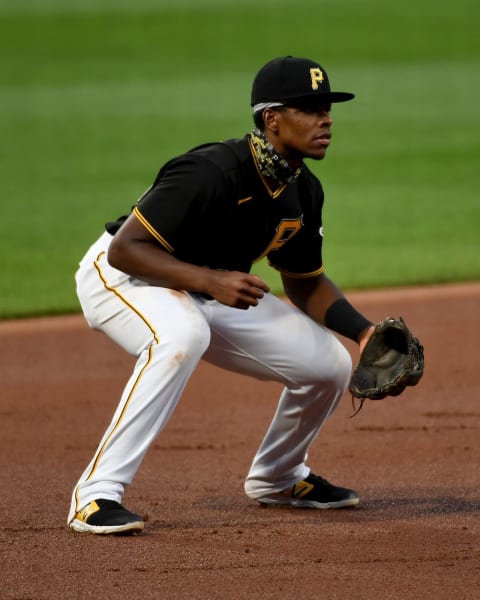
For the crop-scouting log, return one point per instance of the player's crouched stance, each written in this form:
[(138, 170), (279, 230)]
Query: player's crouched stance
[(309, 405), (103, 516), (170, 283)]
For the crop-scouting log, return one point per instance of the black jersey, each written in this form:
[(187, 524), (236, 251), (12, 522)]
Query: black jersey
[(211, 207)]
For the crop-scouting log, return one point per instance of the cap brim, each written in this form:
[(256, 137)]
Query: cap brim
[(341, 96), (329, 97)]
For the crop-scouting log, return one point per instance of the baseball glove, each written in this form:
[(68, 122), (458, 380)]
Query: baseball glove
[(391, 360)]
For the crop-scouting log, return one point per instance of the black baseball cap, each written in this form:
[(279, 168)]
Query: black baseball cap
[(288, 78)]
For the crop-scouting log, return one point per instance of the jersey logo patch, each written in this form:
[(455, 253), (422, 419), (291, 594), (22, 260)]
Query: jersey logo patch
[(244, 200), (286, 229)]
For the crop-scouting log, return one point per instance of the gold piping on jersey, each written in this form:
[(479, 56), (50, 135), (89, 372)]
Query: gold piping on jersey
[(273, 194), (155, 342), (243, 200), (297, 275), (151, 230)]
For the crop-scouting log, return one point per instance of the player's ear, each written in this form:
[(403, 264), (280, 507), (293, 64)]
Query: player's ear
[(271, 119)]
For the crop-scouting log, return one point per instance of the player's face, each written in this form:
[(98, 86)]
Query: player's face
[(303, 131)]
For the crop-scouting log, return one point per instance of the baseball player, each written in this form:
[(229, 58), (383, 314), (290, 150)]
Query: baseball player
[(171, 284)]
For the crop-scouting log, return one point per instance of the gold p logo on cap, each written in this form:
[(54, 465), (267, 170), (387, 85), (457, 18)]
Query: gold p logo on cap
[(316, 75)]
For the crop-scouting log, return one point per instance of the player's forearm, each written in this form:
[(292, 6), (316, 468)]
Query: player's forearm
[(325, 303), (147, 262), (313, 295)]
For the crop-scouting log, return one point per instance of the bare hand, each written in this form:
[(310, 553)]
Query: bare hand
[(236, 289)]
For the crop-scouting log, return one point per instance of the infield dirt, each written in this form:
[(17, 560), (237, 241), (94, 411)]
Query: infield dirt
[(413, 459)]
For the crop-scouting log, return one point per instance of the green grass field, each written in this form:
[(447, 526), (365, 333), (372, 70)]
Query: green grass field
[(96, 94)]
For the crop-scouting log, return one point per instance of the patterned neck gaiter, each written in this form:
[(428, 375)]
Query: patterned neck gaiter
[(271, 163)]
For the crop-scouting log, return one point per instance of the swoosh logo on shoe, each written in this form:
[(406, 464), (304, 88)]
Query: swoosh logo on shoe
[(301, 489)]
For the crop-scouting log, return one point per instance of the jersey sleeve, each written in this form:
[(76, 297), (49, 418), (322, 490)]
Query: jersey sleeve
[(174, 207), (301, 256)]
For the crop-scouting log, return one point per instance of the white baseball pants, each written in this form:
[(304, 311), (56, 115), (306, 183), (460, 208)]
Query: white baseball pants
[(169, 332)]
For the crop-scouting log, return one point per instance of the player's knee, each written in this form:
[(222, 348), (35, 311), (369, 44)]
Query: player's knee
[(339, 368), (343, 367), (191, 338)]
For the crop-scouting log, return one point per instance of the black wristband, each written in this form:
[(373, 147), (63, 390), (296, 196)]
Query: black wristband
[(342, 318)]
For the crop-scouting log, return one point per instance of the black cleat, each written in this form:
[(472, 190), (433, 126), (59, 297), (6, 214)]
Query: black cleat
[(313, 492), (106, 516)]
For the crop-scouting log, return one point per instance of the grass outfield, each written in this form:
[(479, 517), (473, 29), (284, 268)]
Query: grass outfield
[(97, 94)]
